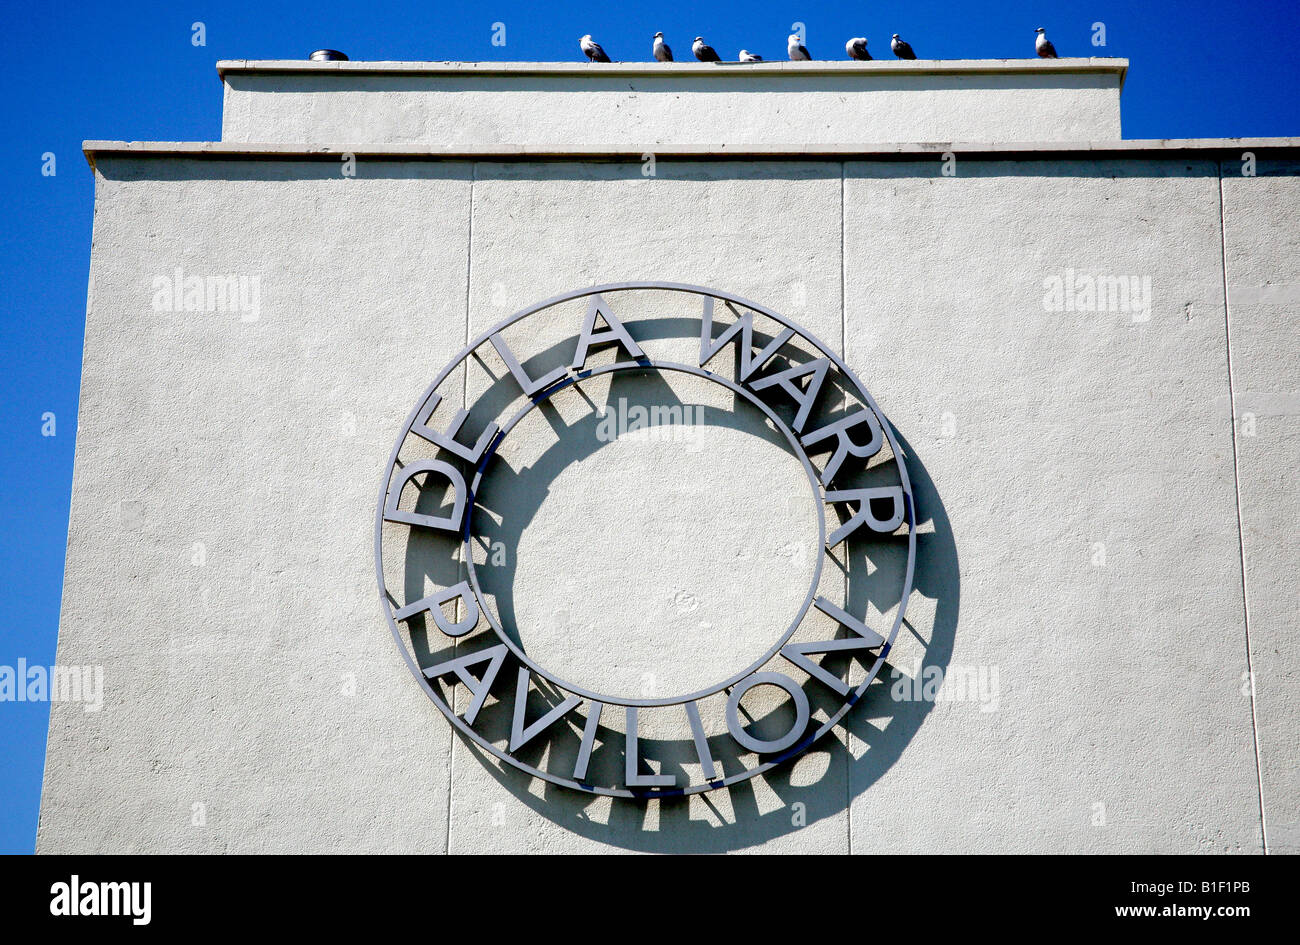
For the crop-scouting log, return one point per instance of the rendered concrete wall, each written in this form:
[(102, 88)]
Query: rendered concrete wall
[(263, 683), (627, 107), (214, 501), (1085, 474), (1262, 251)]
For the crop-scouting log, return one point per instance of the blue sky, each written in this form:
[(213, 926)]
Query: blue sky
[(129, 70)]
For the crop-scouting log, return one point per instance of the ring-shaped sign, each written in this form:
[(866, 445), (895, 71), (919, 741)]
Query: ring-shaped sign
[(787, 375)]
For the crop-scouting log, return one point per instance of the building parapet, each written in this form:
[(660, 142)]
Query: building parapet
[(643, 105)]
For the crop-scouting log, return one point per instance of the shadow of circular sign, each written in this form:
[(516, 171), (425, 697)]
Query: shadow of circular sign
[(444, 541)]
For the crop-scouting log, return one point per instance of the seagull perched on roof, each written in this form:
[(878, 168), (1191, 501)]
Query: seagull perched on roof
[(901, 49), (703, 51), (857, 49), (663, 52), (592, 49), (796, 49), (1043, 45), (747, 56)]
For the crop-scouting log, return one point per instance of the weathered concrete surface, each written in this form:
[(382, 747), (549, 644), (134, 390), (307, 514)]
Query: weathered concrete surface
[(1054, 438), (1118, 684), (704, 224), (219, 558), (1262, 248), (642, 106)]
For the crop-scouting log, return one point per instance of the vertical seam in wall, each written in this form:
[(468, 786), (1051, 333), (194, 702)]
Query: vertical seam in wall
[(1241, 533), (464, 399), (844, 355), (844, 331)]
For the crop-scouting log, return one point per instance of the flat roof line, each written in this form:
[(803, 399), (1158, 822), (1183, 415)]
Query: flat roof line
[(232, 150), (893, 67)]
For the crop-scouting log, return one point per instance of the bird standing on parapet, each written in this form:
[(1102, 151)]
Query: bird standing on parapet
[(1043, 45), (747, 56), (663, 52), (857, 49), (797, 50), (703, 51), (901, 49), (592, 49)]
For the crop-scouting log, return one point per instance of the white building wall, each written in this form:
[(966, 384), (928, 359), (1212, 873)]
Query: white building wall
[(1036, 435), (1262, 253), (640, 106), (1074, 435)]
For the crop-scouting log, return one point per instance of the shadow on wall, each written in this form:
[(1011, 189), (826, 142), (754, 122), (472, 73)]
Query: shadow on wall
[(791, 797), (842, 774)]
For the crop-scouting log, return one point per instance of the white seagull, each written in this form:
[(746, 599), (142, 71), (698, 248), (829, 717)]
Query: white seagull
[(797, 50), (857, 49), (901, 49), (703, 51), (1043, 45), (663, 52), (592, 49), (747, 56)]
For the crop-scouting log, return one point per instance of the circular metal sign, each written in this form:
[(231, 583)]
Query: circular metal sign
[(430, 556)]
